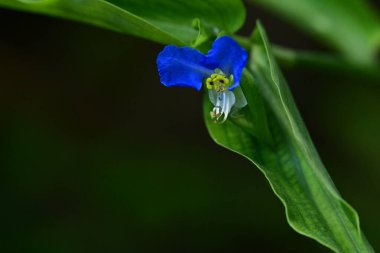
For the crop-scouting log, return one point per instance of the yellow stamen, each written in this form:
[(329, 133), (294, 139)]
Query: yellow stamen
[(218, 82)]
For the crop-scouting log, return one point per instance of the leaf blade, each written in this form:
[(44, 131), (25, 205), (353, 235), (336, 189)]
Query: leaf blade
[(167, 22), (290, 162)]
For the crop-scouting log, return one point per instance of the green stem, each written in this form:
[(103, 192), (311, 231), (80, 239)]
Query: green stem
[(317, 61)]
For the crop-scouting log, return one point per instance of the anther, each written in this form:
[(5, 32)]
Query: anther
[(216, 113)]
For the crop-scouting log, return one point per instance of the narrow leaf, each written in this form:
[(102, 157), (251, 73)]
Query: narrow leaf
[(167, 22)]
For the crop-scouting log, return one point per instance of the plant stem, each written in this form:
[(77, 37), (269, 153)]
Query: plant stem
[(317, 61)]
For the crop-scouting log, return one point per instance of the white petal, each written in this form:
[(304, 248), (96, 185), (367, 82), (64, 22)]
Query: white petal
[(223, 102), (229, 101), (241, 101)]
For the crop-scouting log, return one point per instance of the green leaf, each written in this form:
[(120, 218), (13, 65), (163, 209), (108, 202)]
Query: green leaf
[(288, 159), (352, 26), (163, 21)]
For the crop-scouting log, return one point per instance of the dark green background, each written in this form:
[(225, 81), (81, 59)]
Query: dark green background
[(98, 156)]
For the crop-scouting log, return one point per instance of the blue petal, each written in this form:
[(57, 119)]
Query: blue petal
[(227, 55), (182, 66)]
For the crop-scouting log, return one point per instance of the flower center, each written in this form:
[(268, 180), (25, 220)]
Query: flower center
[(222, 98), (218, 82)]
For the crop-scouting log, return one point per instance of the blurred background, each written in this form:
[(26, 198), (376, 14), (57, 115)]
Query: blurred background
[(98, 156)]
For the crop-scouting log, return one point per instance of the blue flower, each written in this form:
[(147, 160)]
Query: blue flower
[(220, 70)]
